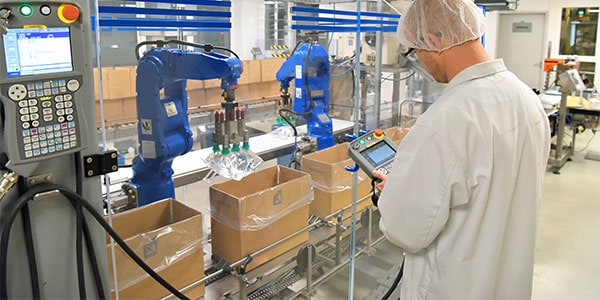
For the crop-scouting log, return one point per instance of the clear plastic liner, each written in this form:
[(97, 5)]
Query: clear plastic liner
[(260, 199), (234, 165), (283, 132)]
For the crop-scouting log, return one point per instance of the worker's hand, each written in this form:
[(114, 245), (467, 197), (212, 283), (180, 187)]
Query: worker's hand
[(379, 185)]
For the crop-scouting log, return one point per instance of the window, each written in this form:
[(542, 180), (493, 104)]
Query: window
[(578, 31)]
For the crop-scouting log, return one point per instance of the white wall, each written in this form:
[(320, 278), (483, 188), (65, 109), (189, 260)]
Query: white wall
[(247, 26)]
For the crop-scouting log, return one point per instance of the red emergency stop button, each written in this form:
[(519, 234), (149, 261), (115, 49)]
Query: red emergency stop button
[(378, 133), (68, 13)]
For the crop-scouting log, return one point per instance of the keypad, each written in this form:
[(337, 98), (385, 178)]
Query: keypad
[(48, 118)]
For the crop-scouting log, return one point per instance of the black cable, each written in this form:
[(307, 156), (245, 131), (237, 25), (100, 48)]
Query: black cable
[(35, 283), (296, 47), (86, 231), (306, 59), (74, 198), (396, 282), (79, 251)]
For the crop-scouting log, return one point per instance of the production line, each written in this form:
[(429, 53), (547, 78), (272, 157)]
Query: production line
[(77, 222)]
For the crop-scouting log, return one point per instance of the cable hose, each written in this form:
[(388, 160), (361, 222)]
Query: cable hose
[(79, 251), (396, 282), (35, 283), (74, 198)]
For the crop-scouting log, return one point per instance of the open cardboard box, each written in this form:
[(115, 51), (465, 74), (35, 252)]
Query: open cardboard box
[(167, 235), (260, 210)]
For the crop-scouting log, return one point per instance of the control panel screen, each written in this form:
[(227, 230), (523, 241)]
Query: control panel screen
[(33, 51), (379, 153)]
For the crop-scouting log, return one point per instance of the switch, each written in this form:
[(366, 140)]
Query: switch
[(68, 13)]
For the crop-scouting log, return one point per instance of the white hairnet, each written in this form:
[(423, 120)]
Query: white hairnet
[(453, 22)]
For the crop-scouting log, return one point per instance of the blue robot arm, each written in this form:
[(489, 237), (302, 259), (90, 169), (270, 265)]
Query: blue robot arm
[(163, 127), (308, 66)]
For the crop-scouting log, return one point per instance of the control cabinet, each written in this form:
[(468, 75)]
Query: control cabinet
[(47, 128)]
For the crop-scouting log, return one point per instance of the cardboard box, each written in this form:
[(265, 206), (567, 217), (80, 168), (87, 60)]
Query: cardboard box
[(129, 110), (194, 84), (119, 83), (327, 168), (269, 67), (104, 84), (167, 235), (261, 209), (327, 203), (212, 83), (397, 134), (196, 98)]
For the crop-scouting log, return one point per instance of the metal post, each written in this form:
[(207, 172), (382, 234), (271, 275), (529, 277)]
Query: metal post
[(378, 62), (242, 284), (309, 287), (338, 240)]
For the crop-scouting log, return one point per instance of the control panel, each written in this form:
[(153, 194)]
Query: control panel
[(373, 151), (41, 75)]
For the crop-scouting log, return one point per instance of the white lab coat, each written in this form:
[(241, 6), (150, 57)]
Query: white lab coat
[(463, 195)]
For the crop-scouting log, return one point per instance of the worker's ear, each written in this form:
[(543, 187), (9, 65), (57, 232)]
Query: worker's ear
[(436, 39)]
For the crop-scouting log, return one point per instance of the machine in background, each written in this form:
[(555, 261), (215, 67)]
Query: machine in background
[(47, 153), (163, 127), (308, 66)]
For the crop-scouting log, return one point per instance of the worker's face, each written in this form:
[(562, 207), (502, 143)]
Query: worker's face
[(430, 62)]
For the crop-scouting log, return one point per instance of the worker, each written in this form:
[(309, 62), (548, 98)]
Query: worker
[(462, 198)]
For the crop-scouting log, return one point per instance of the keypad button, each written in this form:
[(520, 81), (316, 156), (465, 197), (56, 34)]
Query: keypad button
[(34, 131), (58, 140), (47, 111), (71, 124), (25, 132), (51, 149), (35, 145), (34, 109), (50, 135), (25, 118), (59, 147), (36, 152), (65, 132), (35, 123), (32, 102), (64, 125), (68, 103), (25, 125), (73, 138), (42, 129), (70, 118), (51, 142), (44, 150), (39, 93), (61, 119), (54, 83), (35, 138), (28, 154), (47, 92), (27, 140), (39, 85), (27, 147), (62, 82), (31, 94), (24, 110), (34, 117), (48, 128), (59, 98), (46, 104), (62, 89), (73, 144), (68, 97), (43, 144), (60, 112), (23, 103), (66, 146), (46, 84), (30, 86), (55, 91), (56, 127), (59, 105), (71, 130), (68, 111), (48, 118), (73, 85), (42, 136)]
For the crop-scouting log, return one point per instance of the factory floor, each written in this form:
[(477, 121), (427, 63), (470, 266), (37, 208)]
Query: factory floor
[(567, 262)]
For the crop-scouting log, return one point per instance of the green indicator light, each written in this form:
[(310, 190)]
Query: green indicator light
[(26, 10), (362, 142)]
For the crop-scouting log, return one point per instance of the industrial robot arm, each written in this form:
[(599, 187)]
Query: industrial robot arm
[(309, 67), (163, 127)]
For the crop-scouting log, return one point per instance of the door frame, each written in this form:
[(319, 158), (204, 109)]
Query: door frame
[(545, 39)]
